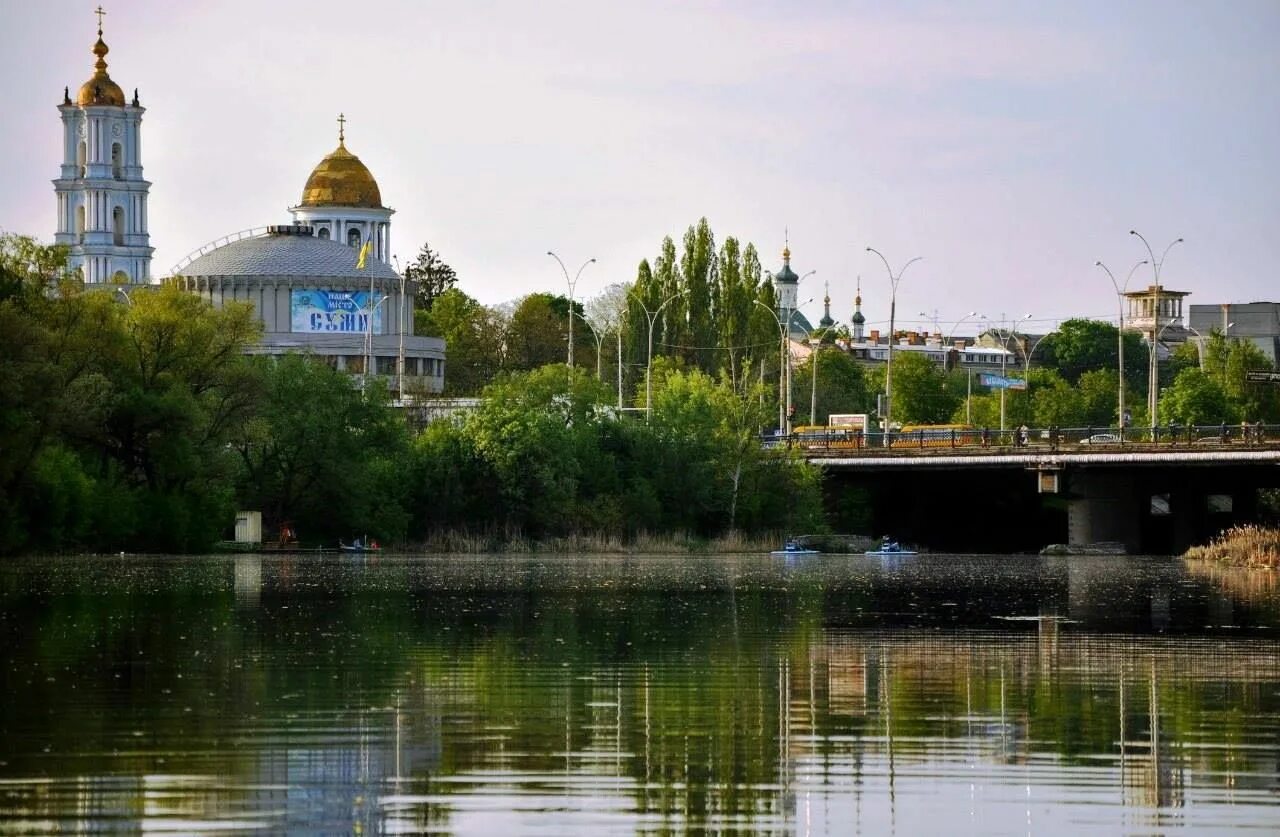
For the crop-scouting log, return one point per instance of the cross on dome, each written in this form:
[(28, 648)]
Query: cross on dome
[(342, 124)]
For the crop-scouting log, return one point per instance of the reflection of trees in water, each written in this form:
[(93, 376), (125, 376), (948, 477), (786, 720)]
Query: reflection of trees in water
[(686, 696)]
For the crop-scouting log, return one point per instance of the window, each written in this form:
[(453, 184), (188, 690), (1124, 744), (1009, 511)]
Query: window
[(353, 238), (82, 152), (117, 161), (80, 222), (323, 233), (117, 226)]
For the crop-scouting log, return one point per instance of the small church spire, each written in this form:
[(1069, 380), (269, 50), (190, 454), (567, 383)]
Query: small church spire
[(857, 320)]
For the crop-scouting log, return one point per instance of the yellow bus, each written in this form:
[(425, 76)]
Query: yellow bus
[(934, 436)]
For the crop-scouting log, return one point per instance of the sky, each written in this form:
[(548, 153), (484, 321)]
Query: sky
[(1009, 145)]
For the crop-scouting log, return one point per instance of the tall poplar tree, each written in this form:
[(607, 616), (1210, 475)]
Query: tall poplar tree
[(698, 266)]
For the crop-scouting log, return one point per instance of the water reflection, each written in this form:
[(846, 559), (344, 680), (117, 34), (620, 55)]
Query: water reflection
[(558, 695)]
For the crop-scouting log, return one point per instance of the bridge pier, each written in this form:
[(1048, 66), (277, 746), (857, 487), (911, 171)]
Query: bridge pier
[(1104, 507)]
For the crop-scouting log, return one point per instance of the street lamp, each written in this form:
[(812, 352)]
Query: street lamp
[(400, 358), (813, 383), (1120, 291), (1009, 331), (368, 336), (572, 283), (1153, 372), (784, 366), (648, 368), (128, 299), (594, 333), (893, 307)]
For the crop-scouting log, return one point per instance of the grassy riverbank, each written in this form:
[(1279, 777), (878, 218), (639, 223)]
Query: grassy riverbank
[(1241, 546)]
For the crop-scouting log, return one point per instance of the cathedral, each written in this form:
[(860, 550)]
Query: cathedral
[(322, 284)]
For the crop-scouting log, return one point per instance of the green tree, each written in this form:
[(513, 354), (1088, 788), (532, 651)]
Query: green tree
[(1196, 398), (699, 271), (842, 386), (431, 275), (322, 455), (538, 332), (920, 392), (473, 335), (1082, 345)]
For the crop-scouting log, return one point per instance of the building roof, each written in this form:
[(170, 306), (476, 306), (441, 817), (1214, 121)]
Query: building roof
[(287, 251)]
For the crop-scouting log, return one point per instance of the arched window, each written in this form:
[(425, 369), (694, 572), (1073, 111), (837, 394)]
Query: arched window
[(82, 154), (80, 223), (117, 226), (120, 277), (117, 161), (323, 233), (353, 238)]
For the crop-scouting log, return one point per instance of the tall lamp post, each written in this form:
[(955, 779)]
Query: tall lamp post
[(1153, 372), (784, 367), (1010, 330), (893, 307), (648, 367), (594, 333), (813, 382), (1120, 291), (572, 283)]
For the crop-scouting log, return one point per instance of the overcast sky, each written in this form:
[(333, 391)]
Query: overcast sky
[(1010, 144)]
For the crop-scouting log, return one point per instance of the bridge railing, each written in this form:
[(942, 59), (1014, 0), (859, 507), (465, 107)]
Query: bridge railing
[(942, 439)]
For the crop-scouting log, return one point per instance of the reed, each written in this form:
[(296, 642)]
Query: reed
[(1241, 546)]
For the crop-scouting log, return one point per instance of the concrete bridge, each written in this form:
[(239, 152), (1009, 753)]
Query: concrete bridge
[(1154, 497)]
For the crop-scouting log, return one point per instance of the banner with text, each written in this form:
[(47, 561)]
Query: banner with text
[(1000, 382), (344, 312)]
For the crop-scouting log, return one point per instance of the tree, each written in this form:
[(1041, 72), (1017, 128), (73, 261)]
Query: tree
[(1196, 398), (1082, 345), (920, 393), (537, 332), (322, 455), (432, 275), (842, 385), (473, 335), (699, 271)]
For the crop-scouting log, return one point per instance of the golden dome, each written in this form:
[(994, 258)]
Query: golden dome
[(100, 90), (341, 180)]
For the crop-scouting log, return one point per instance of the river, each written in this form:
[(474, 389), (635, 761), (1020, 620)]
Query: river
[(614, 695)]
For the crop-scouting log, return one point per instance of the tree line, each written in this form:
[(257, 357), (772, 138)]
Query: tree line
[(137, 421)]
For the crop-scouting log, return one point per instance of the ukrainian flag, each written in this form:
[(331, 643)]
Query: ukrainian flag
[(365, 249)]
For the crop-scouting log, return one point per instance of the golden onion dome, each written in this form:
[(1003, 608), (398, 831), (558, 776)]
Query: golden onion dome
[(341, 180), (100, 90)]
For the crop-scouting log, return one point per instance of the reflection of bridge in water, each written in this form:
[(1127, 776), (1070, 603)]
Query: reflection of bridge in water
[(1150, 497)]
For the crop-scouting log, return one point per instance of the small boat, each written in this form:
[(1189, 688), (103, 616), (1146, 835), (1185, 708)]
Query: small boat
[(359, 546), (888, 547), (794, 548)]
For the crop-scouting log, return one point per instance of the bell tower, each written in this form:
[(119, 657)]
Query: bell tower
[(101, 194)]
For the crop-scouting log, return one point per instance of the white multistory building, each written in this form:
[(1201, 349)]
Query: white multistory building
[(101, 194)]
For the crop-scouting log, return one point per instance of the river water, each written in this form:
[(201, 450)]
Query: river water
[(607, 695)]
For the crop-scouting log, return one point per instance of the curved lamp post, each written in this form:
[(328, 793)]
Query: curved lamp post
[(594, 333), (893, 307), (572, 283), (784, 367), (1153, 371), (648, 367), (1120, 291), (813, 375)]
